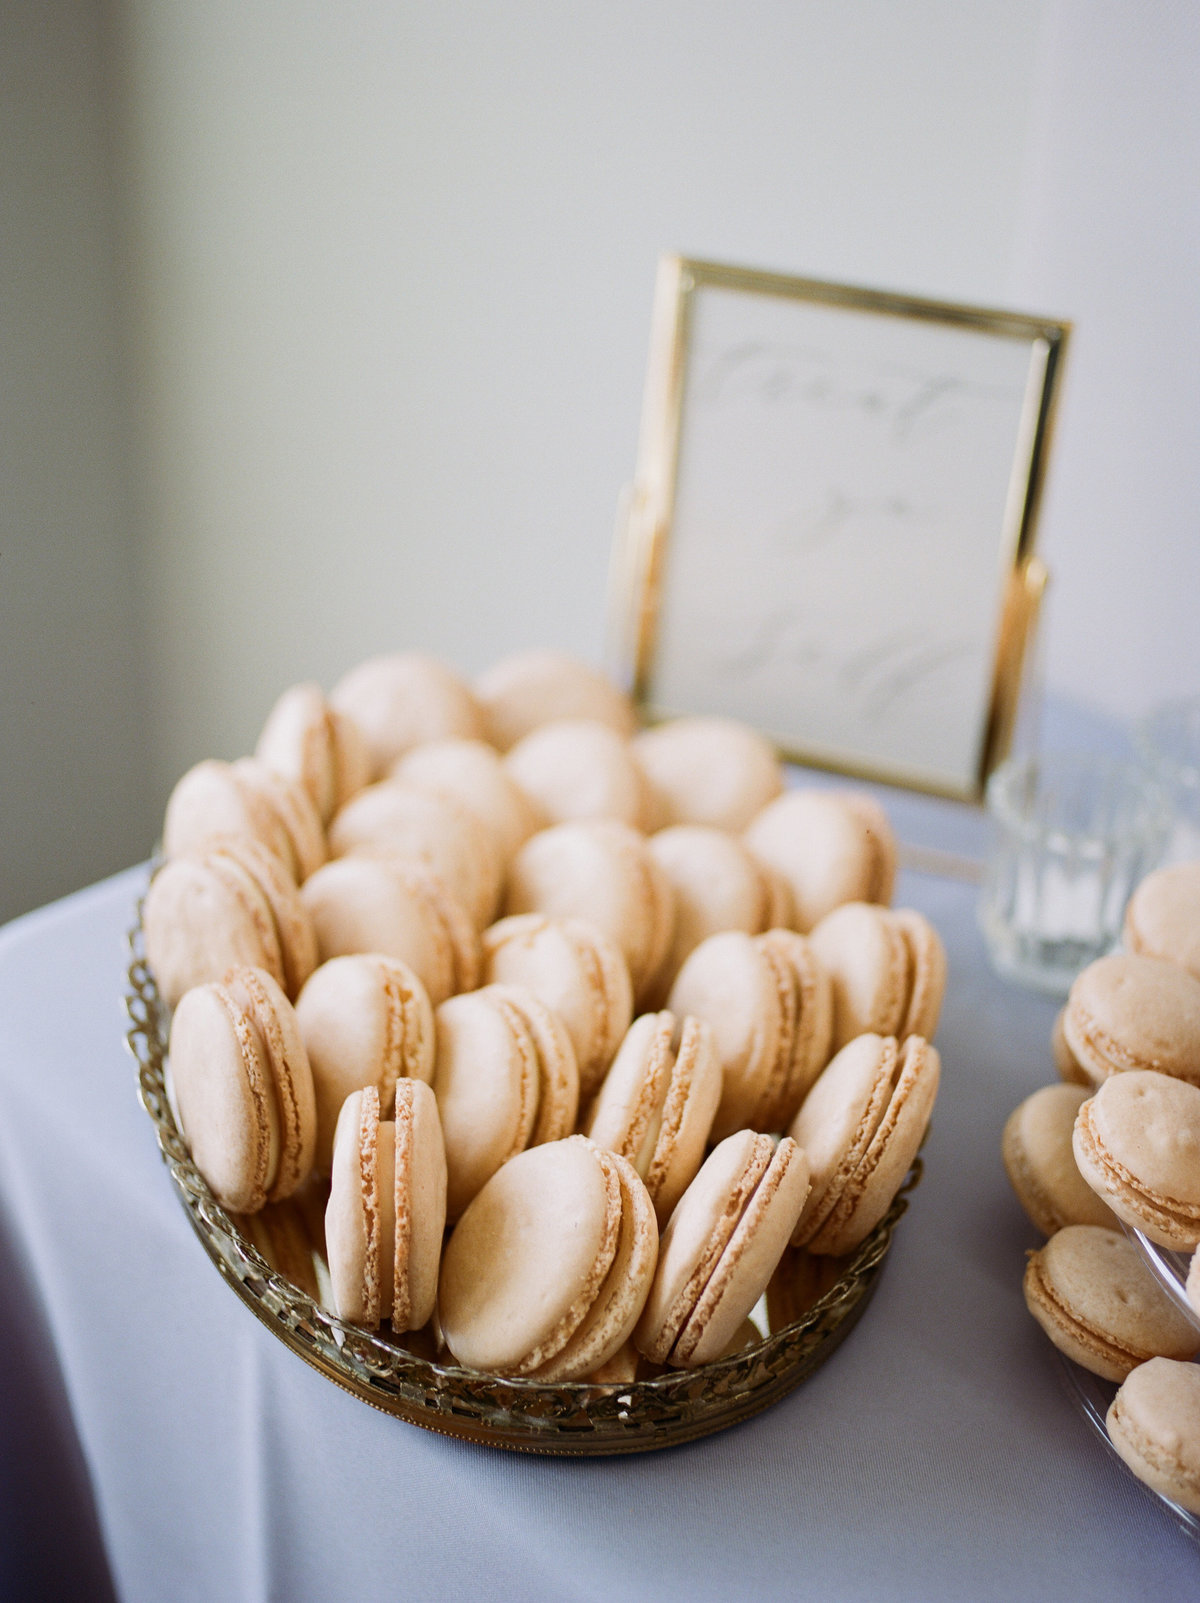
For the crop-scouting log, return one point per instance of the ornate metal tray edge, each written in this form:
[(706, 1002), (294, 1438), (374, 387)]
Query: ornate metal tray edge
[(575, 1419)]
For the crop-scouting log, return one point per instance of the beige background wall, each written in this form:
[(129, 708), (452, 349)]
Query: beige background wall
[(383, 301)]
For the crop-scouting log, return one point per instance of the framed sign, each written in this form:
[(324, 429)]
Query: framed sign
[(830, 535)]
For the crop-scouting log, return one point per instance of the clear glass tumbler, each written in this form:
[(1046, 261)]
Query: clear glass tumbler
[(1168, 742), (1071, 837)]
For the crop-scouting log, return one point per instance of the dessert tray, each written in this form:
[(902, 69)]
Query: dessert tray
[(576, 1419)]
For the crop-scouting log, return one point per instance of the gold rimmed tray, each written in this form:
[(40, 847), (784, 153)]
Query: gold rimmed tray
[(575, 1419)]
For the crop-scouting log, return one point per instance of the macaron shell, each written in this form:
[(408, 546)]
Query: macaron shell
[(608, 1323), (716, 883), (627, 1111), (868, 1191), (749, 1259), (1094, 1297), (400, 699), (881, 844), (696, 1235), (294, 808), (294, 932), (1040, 1163), (486, 1084), (312, 743), (812, 1037), (366, 1020), (420, 1205), (926, 972), (211, 800), (1137, 1144), (558, 1076), (580, 768), (1070, 1070), (685, 1123), (578, 972), (866, 957), (222, 1084), (354, 1217), (273, 1016), (823, 846), (201, 916), (729, 982), (528, 1257), (1162, 918), (529, 688), (1126, 1012), (710, 771), (1154, 1424), (473, 774)]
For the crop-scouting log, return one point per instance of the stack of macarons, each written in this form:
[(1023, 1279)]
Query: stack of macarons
[(507, 1024), (1110, 1155)]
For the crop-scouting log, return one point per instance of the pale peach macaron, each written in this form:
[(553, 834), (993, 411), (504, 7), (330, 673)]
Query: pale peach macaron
[(232, 902), (547, 1271), (1127, 1012), (529, 688), (770, 1005), (395, 818), (1162, 918), (577, 971), (366, 1020), (313, 744), (888, 971), (1137, 1144), (505, 1079), (862, 1125), (718, 884), (1099, 1304), (472, 774), (400, 908), (714, 771), (1154, 1424), (1040, 1163), (241, 1079), (581, 768), (657, 1103), (720, 1248), (600, 870), (830, 846), (400, 699), (386, 1213), (245, 798)]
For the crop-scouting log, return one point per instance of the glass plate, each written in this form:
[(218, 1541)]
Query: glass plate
[(580, 1418), (1170, 1269), (1092, 1396)]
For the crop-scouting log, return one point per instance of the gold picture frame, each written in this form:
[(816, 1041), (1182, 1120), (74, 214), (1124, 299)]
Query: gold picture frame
[(831, 531)]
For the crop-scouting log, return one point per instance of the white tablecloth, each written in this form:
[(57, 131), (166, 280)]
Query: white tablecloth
[(936, 1455)]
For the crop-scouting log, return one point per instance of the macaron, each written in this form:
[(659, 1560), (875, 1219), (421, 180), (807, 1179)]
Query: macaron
[(1070, 1070), (769, 1002), (830, 846), (396, 818), (548, 1269), (1100, 1305), (861, 1126), (400, 908), (1137, 1144), (473, 774), (233, 903), (529, 688), (720, 1248), (366, 1019), (718, 884), (1126, 1012), (714, 771), (1162, 918), (600, 870), (387, 1209), (1154, 1424), (313, 744), (577, 971), (402, 698), (244, 798), (580, 768), (657, 1102), (505, 1079), (243, 1087), (1040, 1163), (888, 971)]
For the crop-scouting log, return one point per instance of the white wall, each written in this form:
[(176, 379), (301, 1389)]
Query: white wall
[(398, 265)]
